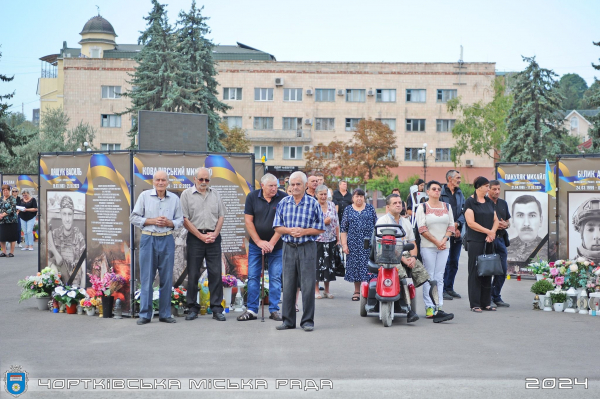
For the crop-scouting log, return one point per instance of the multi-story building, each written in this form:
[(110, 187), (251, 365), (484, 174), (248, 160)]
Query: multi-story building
[(285, 107)]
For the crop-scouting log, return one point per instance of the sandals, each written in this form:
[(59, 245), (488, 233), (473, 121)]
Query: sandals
[(2, 255), (490, 309), (318, 296), (11, 255), (327, 295), (246, 316), (476, 310), (356, 296)]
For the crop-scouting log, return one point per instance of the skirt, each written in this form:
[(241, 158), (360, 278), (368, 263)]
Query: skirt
[(325, 261), (9, 232)]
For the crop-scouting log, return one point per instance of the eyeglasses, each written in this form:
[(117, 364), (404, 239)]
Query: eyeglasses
[(435, 189), (202, 180), (15, 191)]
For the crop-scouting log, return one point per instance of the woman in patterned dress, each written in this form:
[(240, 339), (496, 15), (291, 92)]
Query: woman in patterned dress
[(9, 222), (326, 243), (357, 224)]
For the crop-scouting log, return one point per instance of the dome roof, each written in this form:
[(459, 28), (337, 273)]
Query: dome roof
[(98, 24)]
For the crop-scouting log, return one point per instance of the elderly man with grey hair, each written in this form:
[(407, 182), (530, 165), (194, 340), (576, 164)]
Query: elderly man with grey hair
[(203, 217), (157, 212), (299, 221), (259, 213)]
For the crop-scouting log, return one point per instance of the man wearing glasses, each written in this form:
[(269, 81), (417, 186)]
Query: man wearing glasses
[(203, 215)]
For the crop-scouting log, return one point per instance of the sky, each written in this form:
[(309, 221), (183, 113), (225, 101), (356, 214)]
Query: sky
[(558, 32)]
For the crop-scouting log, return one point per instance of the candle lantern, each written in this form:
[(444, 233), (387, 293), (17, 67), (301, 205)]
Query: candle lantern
[(594, 303), (547, 303), (118, 313), (582, 303), (536, 303), (571, 300)]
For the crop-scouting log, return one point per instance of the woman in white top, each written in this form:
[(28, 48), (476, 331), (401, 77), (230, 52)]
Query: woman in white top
[(436, 226)]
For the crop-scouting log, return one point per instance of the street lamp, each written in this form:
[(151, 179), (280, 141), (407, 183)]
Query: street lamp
[(423, 153)]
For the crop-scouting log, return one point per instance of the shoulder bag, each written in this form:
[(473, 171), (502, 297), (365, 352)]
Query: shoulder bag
[(489, 264)]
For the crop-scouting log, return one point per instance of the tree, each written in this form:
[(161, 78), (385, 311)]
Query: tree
[(6, 134), (372, 147), (196, 52), (535, 128), (331, 159), (586, 101), (572, 86), (594, 102), (234, 139), (481, 129)]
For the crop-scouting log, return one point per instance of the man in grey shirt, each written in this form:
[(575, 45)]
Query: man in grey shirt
[(157, 212), (203, 216)]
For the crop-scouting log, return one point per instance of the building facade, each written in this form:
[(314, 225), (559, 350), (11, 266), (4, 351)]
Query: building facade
[(285, 107)]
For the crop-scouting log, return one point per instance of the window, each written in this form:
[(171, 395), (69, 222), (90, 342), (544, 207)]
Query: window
[(95, 52), (355, 95), (391, 123), (324, 95), (351, 124), (412, 154), (415, 96), (391, 154), (263, 94), (443, 154), (259, 151), (233, 121), (292, 152), (445, 95), (111, 120), (322, 153), (386, 96), (575, 124), (444, 125), (292, 94), (324, 124), (262, 123), (292, 123), (415, 125), (111, 91), (232, 93), (110, 147)]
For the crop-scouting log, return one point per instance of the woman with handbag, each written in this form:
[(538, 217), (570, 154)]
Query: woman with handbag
[(326, 243), (482, 224)]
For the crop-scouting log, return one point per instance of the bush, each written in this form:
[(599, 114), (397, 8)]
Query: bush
[(541, 287), (558, 298)]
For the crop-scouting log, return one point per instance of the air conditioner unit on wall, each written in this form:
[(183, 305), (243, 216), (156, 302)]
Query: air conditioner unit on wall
[(308, 122), (469, 162), (370, 93), (340, 92), (278, 81), (307, 148), (309, 92)]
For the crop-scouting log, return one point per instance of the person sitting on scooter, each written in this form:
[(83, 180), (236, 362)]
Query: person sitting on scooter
[(418, 272)]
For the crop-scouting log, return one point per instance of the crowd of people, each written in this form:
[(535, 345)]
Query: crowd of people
[(16, 214), (300, 230)]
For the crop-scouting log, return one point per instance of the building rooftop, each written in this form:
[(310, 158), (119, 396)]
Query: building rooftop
[(98, 24)]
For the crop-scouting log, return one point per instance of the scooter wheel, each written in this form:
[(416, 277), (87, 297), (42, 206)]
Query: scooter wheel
[(385, 308), (363, 306)]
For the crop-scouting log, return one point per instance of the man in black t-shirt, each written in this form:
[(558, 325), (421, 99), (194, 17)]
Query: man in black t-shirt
[(341, 198), (501, 208), (260, 209)]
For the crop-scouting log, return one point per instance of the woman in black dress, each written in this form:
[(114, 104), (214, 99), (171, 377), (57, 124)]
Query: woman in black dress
[(482, 224), (9, 222)]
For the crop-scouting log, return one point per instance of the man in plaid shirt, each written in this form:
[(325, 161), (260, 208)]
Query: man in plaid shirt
[(299, 220)]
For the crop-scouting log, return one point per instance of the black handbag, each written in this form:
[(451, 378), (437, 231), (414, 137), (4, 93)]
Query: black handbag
[(489, 264), (339, 267)]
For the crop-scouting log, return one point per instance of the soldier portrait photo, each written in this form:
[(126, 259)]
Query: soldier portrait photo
[(584, 225), (66, 240), (529, 225)]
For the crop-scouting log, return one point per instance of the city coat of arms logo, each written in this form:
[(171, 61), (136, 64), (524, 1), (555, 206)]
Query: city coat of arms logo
[(15, 381)]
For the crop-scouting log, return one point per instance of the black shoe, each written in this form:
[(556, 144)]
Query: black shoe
[(412, 316), (218, 316), (167, 320), (441, 316), (308, 328), (284, 326), (192, 315), (275, 316), (454, 294), (143, 321), (501, 304), (447, 297)]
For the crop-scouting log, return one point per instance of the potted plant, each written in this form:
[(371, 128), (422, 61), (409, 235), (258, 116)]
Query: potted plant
[(41, 286), (541, 287), (229, 281), (558, 300), (106, 287), (89, 305), (178, 300), (70, 297), (540, 267)]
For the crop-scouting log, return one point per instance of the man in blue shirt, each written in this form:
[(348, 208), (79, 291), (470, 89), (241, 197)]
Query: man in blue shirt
[(157, 212), (299, 220)]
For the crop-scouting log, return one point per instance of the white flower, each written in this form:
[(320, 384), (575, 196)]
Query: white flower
[(155, 295), (83, 292), (573, 268), (581, 259), (60, 290), (586, 263), (137, 294), (72, 294)]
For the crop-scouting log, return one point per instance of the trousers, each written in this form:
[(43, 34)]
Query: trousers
[(156, 254), (299, 266), (434, 261), (254, 267), (480, 288), (498, 281), (197, 252)]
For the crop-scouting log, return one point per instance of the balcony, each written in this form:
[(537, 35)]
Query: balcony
[(279, 135)]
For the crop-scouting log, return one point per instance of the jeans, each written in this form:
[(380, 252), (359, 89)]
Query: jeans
[(452, 263), (498, 281), (27, 227), (156, 254), (434, 261), (254, 267)]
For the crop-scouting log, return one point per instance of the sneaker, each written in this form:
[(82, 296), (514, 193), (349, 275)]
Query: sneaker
[(448, 297), (429, 313), (501, 304), (441, 316), (24, 249), (454, 294), (20, 245), (412, 316), (31, 249)]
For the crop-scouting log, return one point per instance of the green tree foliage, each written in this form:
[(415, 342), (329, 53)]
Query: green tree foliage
[(234, 139), (571, 87), (386, 184), (587, 100), (481, 129), (535, 128), (594, 102), (6, 134)]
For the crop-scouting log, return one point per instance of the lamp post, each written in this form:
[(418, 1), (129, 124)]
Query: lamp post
[(423, 153)]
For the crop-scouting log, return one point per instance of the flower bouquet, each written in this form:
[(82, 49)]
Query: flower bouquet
[(108, 285), (41, 285), (229, 281), (89, 305), (178, 297), (539, 267), (69, 295)]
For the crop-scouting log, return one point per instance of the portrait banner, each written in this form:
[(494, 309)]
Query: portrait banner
[(232, 177), (532, 231), (579, 206), (85, 199)]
